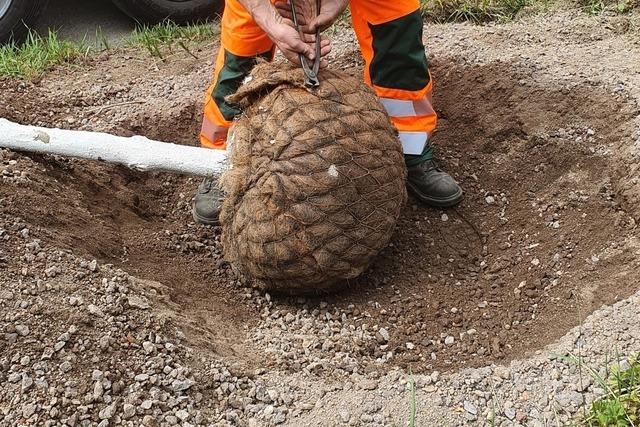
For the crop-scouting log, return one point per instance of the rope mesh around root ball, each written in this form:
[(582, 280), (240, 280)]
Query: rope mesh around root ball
[(317, 183)]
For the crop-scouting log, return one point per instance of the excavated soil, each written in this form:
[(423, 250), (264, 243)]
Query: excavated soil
[(536, 245)]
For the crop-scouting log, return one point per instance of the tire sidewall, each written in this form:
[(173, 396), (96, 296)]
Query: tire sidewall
[(19, 17)]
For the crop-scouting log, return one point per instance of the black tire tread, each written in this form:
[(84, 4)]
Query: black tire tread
[(20, 17), (150, 11)]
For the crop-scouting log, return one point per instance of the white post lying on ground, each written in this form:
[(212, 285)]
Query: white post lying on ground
[(136, 152)]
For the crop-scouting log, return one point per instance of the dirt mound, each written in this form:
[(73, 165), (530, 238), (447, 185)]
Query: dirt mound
[(317, 184)]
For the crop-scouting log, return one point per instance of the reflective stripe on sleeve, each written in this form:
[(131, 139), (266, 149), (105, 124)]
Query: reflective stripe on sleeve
[(413, 143)]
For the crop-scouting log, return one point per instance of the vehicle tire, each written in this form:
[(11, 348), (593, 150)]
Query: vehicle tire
[(178, 11), (17, 16)]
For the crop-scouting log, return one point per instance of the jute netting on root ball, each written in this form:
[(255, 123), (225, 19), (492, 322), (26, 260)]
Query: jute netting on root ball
[(317, 182)]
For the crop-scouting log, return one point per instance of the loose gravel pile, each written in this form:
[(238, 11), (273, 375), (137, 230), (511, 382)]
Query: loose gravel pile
[(116, 310)]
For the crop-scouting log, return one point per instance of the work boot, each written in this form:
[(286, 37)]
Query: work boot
[(433, 186), (207, 203)]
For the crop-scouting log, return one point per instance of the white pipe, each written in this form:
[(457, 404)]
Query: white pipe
[(136, 152)]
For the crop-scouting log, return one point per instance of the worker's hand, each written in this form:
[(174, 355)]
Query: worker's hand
[(282, 32), (291, 43), (309, 23)]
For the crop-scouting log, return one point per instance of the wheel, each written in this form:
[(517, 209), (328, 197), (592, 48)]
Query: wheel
[(17, 16), (178, 11)]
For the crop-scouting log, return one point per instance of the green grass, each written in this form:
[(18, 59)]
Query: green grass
[(609, 7), (161, 39), (620, 406), (39, 54), (412, 404), (475, 11)]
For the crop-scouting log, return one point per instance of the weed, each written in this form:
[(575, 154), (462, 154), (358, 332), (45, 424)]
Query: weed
[(39, 54), (164, 36), (620, 405), (413, 403)]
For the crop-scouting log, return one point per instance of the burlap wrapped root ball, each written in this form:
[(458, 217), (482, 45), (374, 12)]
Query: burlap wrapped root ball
[(317, 180)]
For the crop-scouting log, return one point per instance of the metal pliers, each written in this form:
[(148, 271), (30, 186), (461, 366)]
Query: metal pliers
[(310, 71)]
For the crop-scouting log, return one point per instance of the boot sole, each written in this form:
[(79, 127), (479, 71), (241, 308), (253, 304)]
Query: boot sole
[(438, 203), (204, 221)]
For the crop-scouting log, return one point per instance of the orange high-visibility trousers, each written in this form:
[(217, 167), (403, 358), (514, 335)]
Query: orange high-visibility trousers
[(390, 38)]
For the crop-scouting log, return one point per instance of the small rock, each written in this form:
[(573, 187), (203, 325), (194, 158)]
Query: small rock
[(148, 347), (470, 407), (345, 416), (28, 410), (98, 390), (108, 412), (65, 366), (128, 410), (179, 386), (27, 383), (137, 302), (22, 330), (183, 415), (449, 340), (382, 336), (510, 413), (95, 310), (490, 200), (93, 266), (369, 385), (142, 377), (444, 217), (47, 353), (146, 405)]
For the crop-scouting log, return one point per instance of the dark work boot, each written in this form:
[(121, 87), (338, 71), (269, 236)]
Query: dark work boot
[(433, 186), (207, 203)]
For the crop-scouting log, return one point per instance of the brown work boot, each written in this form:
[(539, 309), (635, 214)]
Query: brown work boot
[(207, 203), (432, 186)]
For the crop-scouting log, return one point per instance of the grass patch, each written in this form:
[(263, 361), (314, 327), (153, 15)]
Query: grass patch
[(39, 54), (161, 39), (609, 7), (475, 11), (620, 406)]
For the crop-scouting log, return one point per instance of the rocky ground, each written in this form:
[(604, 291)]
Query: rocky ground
[(118, 310)]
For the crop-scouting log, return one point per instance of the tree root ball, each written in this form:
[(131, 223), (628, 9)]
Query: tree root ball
[(317, 180)]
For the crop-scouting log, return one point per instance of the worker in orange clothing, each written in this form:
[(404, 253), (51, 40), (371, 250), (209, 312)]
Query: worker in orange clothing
[(390, 38)]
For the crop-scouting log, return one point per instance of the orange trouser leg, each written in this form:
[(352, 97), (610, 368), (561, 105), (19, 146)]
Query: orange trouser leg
[(242, 41), (390, 38)]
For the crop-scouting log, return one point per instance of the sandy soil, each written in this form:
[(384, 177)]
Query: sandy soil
[(539, 123)]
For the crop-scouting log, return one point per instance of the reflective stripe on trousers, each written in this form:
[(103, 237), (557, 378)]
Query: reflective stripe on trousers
[(413, 142)]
